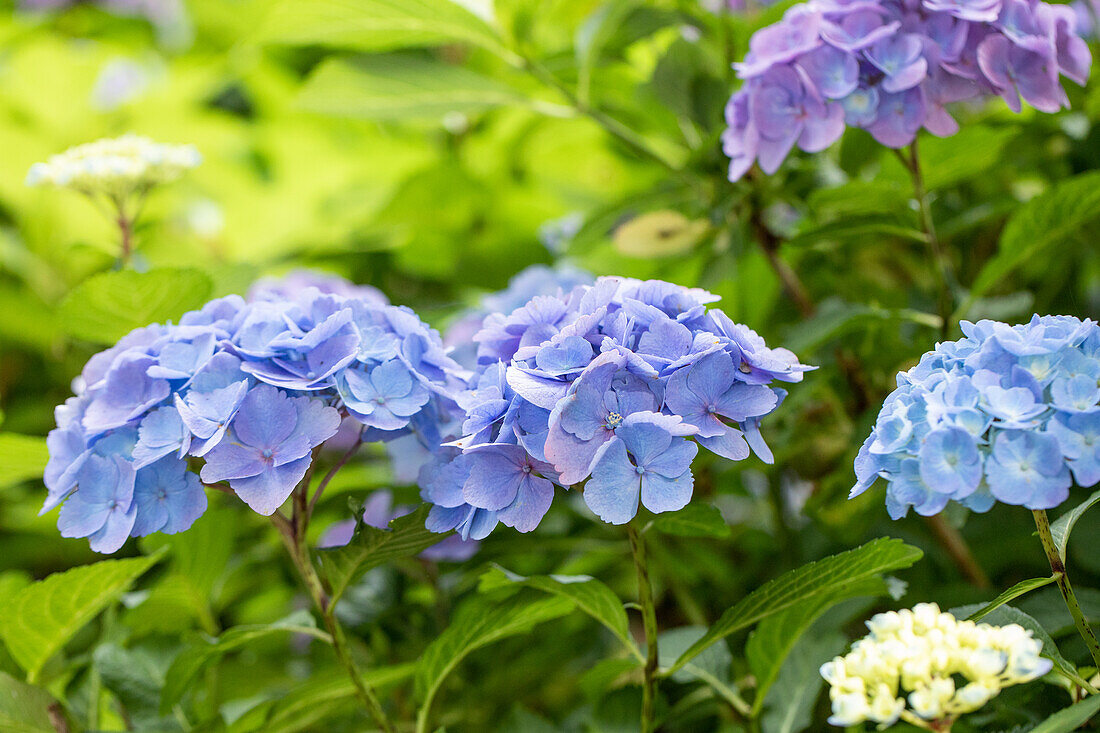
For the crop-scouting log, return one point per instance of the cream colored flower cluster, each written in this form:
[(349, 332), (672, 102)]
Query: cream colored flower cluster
[(908, 665), (117, 167)]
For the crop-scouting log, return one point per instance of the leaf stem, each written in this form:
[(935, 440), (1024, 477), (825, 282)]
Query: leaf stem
[(293, 536), (649, 621), (1062, 578), (949, 282)]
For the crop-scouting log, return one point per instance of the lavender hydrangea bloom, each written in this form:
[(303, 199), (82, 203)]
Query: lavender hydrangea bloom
[(1008, 413), (249, 390), (583, 385), (891, 67)]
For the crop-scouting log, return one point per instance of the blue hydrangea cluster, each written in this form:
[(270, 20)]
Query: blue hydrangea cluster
[(613, 385), (1008, 413), (245, 392), (892, 67)]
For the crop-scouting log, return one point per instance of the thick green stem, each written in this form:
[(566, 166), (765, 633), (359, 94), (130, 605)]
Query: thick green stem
[(294, 539), (649, 621), (949, 282), (1062, 578)]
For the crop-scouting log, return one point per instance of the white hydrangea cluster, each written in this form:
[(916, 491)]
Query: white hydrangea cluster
[(117, 167), (908, 665)]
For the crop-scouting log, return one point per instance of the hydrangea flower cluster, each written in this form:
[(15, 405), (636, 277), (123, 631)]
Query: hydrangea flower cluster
[(891, 67), (615, 383), (248, 389), (923, 665), (117, 167), (529, 282), (1008, 413)]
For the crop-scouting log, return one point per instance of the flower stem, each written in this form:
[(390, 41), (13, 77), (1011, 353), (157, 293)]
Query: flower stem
[(649, 621), (949, 282), (1062, 578), (294, 539)]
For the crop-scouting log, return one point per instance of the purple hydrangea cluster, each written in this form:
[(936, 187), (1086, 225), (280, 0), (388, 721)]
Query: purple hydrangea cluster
[(249, 390), (614, 385), (892, 67), (1009, 414)]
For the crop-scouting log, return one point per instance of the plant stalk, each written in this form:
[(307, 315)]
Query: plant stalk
[(949, 281), (1062, 578), (649, 621), (294, 538)]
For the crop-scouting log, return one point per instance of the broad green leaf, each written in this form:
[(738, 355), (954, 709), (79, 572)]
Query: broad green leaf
[(24, 708), (694, 520), (480, 622), (107, 306), (869, 228), (377, 25), (836, 318), (401, 88), (712, 667), (1071, 718), (371, 547), (22, 457), (42, 617), (947, 161), (135, 676), (790, 706), (325, 695), (1049, 219), (1005, 615), (839, 576), (659, 234), (191, 661), (1024, 586), (594, 34), (590, 595), (771, 642), (1061, 528)]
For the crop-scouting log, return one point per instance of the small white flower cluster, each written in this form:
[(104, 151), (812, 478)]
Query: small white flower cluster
[(915, 656), (117, 167)]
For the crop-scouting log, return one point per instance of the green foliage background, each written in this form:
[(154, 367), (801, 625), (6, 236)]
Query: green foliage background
[(431, 150)]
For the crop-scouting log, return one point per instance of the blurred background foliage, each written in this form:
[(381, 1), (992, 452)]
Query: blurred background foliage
[(434, 150)]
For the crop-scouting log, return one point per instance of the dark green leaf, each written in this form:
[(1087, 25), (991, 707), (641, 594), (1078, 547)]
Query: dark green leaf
[(590, 596), (1024, 586), (107, 306), (42, 617), (836, 318), (694, 520), (1070, 719), (371, 547), (192, 660), (1049, 219), (1061, 528), (838, 576), (790, 706)]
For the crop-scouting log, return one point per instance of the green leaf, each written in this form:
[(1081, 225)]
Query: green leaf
[(694, 520), (859, 228), (839, 576), (107, 306), (1005, 615), (659, 234), (1024, 586), (42, 617), (371, 547), (192, 660), (771, 642), (590, 596), (1061, 528), (790, 707), (24, 708), (325, 695), (135, 676), (965, 156), (836, 318), (597, 29), (377, 25), (712, 667), (480, 622), (400, 88), (22, 457), (1071, 718), (1049, 219)]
